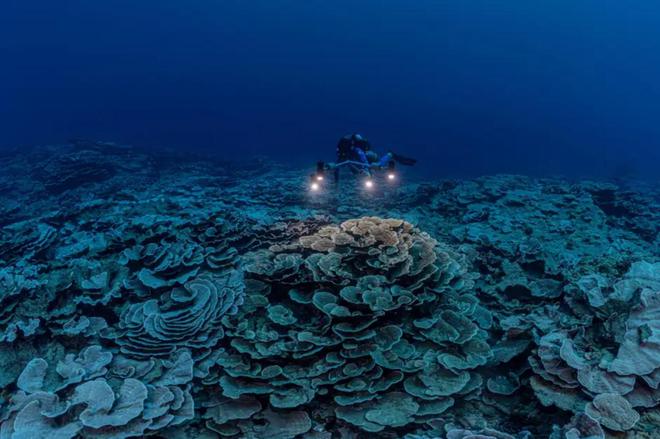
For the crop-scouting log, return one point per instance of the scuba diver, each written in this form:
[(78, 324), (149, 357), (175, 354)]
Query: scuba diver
[(354, 151)]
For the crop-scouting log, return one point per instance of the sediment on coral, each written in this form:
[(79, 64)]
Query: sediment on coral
[(172, 297)]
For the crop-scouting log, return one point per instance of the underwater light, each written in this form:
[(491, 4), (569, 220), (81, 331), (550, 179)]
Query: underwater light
[(314, 187), (368, 184), (319, 178), (391, 176)]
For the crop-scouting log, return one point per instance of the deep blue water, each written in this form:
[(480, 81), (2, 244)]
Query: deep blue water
[(468, 87)]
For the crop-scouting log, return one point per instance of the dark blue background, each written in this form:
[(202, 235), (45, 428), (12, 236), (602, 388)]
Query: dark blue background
[(470, 87)]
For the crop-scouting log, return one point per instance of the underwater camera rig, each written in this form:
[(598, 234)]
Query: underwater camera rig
[(318, 179)]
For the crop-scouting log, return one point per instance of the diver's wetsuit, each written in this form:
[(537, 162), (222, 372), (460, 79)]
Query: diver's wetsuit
[(353, 147)]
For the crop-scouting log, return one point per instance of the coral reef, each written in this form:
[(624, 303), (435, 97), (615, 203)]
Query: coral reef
[(348, 320), (168, 296)]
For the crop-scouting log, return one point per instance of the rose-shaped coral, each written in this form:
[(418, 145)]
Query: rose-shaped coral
[(165, 264), (388, 247), (187, 316), (361, 318)]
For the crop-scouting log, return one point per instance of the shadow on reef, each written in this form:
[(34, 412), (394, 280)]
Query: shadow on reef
[(177, 297)]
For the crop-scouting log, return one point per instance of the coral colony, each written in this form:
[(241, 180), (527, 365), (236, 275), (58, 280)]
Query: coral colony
[(145, 294)]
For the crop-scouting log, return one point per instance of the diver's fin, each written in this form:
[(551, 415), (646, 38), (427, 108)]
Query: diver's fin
[(406, 161)]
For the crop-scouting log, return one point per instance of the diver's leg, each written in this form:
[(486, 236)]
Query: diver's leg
[(403, 160)]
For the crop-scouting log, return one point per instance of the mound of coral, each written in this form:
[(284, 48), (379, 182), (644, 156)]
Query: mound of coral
[(371, 323), (145, 295)]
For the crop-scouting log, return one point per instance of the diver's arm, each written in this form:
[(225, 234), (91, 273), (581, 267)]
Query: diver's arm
[(363, 157)]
